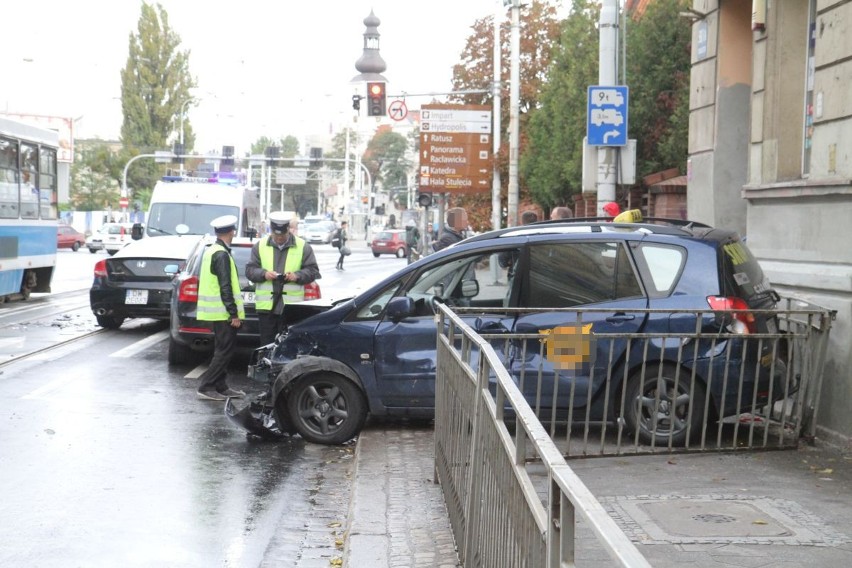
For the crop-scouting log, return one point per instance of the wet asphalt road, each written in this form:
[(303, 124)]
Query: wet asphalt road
[(109, 458)]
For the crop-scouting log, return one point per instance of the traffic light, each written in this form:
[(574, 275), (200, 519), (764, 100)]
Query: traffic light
[(178, 151), (424, 199), (376, 99), (356, 102)]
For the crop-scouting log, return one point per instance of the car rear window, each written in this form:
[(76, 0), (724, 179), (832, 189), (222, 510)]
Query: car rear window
[(665, 264)]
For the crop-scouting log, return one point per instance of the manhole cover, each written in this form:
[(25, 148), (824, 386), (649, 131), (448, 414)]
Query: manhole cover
[(713, 519), (718, 519)]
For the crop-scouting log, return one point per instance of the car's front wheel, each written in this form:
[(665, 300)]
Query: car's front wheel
[(663, 407), (76, 246), (400, 252), (326, 408), (91, 250), (109, 322)]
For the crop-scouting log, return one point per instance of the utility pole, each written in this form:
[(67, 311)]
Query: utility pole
[(607, 167), (496, 206), (514, 111)]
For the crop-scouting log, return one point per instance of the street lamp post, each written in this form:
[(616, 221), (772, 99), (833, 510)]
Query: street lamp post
[(182, 112)]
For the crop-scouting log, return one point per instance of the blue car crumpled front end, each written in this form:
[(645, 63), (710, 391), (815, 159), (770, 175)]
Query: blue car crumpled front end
[(257, 416)]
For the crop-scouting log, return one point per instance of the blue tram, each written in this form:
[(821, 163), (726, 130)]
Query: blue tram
[(28, 208)]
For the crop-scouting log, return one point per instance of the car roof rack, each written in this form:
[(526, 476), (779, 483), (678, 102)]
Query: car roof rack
[(661, 225), (684, 223)]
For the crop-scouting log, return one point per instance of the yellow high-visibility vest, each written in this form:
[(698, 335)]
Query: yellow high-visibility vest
[(292, 292), (210, 305)]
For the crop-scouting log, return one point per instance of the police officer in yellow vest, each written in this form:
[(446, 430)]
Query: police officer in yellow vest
[(220, 302), (280, 265)]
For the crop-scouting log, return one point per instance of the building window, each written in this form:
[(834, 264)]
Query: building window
[(807, 138)]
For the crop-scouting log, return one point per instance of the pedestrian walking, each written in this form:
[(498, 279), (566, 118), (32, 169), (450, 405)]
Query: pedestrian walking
[(220, 302), (412, 241), (280, 266), (342, 236)]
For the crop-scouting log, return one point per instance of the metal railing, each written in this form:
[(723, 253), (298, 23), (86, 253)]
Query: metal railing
[(728, 392), (481, 460)]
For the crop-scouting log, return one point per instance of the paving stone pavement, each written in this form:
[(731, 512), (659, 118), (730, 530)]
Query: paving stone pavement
[(397, 516), (779, 509)]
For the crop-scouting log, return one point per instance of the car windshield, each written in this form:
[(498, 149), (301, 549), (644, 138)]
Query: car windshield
[(165, 217)]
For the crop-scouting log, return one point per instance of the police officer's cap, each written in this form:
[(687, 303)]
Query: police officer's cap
[(279, 222), (224, 224)]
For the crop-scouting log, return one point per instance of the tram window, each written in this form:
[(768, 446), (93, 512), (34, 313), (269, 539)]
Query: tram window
[(29, 181), (47, 194)]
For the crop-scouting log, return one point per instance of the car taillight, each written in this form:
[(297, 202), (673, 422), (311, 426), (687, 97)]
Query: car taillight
[(742, 322), (100, 269), (312, 291), (188, 291)]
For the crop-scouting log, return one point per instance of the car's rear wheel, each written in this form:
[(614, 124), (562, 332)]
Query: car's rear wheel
[(93, 251), (376, 254), (660, 409), (326, 408), (109, 322), (400, 252)]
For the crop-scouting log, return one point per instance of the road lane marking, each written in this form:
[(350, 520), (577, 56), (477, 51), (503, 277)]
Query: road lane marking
[(196, 372), (49, 387), (140, 345)]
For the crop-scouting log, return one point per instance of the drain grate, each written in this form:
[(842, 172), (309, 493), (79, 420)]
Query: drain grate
[(718, 519)]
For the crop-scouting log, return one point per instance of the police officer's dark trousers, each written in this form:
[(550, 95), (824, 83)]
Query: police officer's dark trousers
[(269, 325), (216, 376)]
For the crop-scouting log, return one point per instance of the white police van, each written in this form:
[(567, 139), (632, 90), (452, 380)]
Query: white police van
[(192, 202)]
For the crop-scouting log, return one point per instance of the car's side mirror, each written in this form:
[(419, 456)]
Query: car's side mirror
[(136, 231), (469, 288), (171, 269), (400, 308)]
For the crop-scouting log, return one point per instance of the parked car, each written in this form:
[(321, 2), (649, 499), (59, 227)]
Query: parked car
[(69, 237), (111, 237), (320, 232), (390, 242), (375, 353), (134, 282), (190, 338)]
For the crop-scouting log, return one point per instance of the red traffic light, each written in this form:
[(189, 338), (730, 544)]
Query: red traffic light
[(376, 99)]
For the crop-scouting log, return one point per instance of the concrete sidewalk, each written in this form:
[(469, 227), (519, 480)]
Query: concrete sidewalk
[(397, 515), (759, 509)]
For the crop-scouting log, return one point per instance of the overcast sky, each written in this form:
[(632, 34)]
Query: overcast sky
[(264, 67)]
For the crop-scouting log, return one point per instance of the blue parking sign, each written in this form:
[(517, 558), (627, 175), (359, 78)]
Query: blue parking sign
[(606, 119)]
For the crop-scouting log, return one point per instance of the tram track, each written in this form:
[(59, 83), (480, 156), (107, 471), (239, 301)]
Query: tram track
[(37, 326)]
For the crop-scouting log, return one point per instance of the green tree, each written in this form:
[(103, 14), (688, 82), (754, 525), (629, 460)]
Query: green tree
[(658, 69), (658, 76), (289, 146), (387, 161), (338, 148), (551, 161), (93, 179), (539, 33), (155, 86)]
